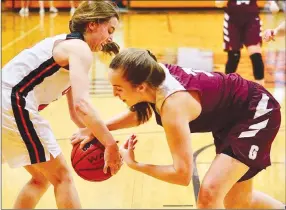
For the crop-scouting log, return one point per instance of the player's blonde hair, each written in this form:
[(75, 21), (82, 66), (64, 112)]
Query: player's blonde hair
[(139, 66), (98, 11)]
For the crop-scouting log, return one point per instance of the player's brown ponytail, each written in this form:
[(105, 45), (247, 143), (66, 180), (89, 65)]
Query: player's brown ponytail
[(139, 66), (143, 111), (110, 48)]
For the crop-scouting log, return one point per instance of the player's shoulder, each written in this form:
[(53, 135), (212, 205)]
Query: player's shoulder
[(75, 46)]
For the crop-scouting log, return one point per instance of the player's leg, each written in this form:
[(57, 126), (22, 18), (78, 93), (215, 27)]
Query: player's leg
[(42, 8), (16, 155), (223, 173), (248, 152), (57, 172), (233, 57), (72, 10), (53, 166), (235, 199), (232, 45), (253, 41), (32, 192), (22, 10), (220, 188), (52, 7), (29, 141)]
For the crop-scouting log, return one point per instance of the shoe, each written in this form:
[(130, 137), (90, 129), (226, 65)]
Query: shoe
[(72, 10), (26, 11), (42, 11), (22, 11), (53, 9)]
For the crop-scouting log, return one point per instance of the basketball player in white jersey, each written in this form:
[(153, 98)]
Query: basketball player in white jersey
[(37, 76)]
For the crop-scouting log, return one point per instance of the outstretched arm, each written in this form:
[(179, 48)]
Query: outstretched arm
[(125, 119), (270, 34), (280, 30), (176, 126)]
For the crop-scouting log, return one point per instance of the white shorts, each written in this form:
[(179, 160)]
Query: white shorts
[(27, 138)]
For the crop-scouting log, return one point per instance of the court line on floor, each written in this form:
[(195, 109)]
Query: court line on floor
[(195, 177), (20, 37)]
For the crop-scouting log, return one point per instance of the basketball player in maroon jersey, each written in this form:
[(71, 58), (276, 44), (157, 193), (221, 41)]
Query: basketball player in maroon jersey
[(242, 26), (243, 117)]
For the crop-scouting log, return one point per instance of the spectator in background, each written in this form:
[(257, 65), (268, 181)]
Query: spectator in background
[(24, 8), (72, 7), (42, 8), (270, 34), (242, 27)]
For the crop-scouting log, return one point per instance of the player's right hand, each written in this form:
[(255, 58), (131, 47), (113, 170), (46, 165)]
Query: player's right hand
[(112, 159), (268, 35), (83, 135)]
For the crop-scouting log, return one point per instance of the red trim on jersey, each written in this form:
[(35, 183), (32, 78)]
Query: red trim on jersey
[(20, 108)]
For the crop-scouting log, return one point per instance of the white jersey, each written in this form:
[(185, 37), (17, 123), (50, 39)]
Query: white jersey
[(31, 81), (34, 75)]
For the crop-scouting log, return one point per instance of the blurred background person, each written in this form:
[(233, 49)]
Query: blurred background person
[(42, 8), (24, 7), (242, 26)]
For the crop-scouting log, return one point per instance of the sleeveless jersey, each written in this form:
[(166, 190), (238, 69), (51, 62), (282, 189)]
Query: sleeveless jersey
[(34, 75), (223, 97), (242, 6)]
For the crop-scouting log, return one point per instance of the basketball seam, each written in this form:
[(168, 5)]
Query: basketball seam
[(88, 169), (74, 165), (72, 158), (85, 178)]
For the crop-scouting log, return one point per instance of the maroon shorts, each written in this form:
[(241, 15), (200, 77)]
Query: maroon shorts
[(251, 137), (239, 30)]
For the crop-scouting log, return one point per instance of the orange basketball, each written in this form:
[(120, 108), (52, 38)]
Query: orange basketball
[(88, 162)]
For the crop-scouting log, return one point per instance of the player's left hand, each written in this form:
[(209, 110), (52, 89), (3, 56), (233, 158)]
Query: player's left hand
[(127, 150), (268, 35), (83, 135)]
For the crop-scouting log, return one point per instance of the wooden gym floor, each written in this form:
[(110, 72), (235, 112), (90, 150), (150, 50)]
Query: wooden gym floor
[(162, 34)]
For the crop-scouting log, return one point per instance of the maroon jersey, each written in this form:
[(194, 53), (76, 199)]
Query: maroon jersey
[(242, 6), (240, 114), (242, 25), (222, 96)]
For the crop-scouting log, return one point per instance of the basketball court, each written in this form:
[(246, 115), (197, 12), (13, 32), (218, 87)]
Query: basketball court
[(164, 33)]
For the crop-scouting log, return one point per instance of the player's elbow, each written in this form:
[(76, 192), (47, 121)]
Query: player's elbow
[(81, 106), (73, 116), (184, 175)]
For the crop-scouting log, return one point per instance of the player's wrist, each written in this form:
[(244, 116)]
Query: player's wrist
[(133, 164), (112, 145), (274, 32)]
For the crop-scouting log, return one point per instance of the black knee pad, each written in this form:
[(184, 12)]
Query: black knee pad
[(233, 58), (257, 65)]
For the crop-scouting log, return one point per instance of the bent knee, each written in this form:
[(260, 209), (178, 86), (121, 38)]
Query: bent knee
[(252, 49), (208, 194), (40, 182), (63, 175)]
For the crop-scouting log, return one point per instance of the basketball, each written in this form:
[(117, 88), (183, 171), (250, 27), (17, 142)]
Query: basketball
[(88, 162)]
